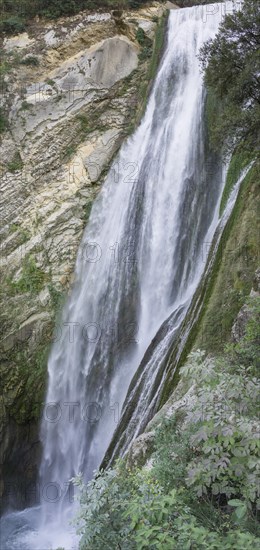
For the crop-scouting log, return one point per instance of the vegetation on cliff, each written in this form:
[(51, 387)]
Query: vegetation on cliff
[(232, 67), (16, 13), (201, 488), (236, 262)]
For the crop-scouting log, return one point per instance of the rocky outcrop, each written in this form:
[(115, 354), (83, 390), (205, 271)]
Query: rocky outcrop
[(72, 91), (143, 447), (245, 313)]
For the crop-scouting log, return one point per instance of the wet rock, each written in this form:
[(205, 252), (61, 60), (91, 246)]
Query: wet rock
[(244, 315), (239, 326), (140, 450), (256, 282)]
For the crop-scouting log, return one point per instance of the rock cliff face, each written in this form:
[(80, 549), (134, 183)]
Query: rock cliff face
[(71, 92)]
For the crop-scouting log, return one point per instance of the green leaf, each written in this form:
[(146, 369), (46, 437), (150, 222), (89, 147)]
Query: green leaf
[(235, 502)]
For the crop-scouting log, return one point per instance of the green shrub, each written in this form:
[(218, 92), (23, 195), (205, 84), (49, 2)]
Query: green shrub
[(171, 443), (3, 121), (16, 163), (145, 53), (32, 278), (231, 64), (129, 510), (201, 490), (12, 25), (140, 36), (136, 3), (5, 67), (25, 106), (145, 43), (225, 442), (85, 126), (16, 13), (30, 60), (190, 3)]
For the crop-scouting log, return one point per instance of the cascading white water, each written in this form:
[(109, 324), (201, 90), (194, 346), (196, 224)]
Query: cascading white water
[(140, 260), (148, 231)]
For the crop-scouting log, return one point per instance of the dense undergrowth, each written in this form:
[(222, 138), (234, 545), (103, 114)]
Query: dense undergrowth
[(201, 486), (15, 14), (231, 66)]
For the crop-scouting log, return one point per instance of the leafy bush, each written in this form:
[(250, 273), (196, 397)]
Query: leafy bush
[(129, 510), (30, 60), (231, 64), (32, 278), (16, 13), (145, 53), (3, 121), (12, 25), (15, 163), (201, 489), (226, 441), (140, 36), (146, 44)]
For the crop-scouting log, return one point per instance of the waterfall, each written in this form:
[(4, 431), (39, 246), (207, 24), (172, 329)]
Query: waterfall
[(140, 259), (138, 266)]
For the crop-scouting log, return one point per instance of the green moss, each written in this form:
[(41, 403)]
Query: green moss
[(233, 274), (30, 60), (23, 233), (57, 300), (15, 163), (50, 82), (87, 211), (85, 127), (158, 46), (25, 106), (28, 378), (213, 109), (5, 67), (238, 162), (12, 24), (3, 121), (32, 278), (153, 61), (69, 152), (227, 288), (126, 84)]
